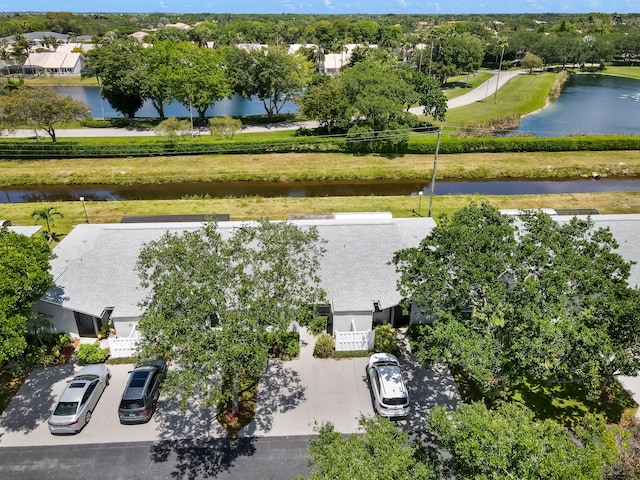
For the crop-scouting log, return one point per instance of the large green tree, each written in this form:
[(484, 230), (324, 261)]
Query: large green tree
[(24, 277), (213, 295), (118, 64), (383, 451), (39, 108), (273, 75), (510, 443), (534, 299), (454, 54), (197, 77)]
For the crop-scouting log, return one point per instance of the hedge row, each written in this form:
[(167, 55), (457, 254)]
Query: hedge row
[(525, 144), (426, 145), (24, 150)]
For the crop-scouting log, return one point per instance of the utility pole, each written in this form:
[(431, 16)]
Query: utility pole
[(433, 174), (495, 96)]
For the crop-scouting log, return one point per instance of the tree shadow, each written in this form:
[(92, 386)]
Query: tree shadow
[(35, 400), (280, 390), (201, 458), (194, 423), (427, 387)]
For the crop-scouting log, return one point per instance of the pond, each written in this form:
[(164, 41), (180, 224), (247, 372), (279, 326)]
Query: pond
[(168, 191), (234, 106), (589, 104)]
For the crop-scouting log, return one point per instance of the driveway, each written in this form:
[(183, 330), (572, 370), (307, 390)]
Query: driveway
[(292, 397)]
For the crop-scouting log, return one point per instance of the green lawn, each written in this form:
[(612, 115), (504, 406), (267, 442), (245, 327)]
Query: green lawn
[(567, 404), (462, 84), (522, 94)]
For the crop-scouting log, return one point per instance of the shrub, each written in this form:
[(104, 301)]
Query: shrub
[(385, 339), (283, 345), (324, 346), (224, 126), (172, 128), (318, 325), (91, 353), (291, 348)]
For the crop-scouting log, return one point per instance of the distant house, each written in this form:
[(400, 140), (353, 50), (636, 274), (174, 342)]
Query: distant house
[(249, 47), (96, 282), (55, 63), (138, 36), (75, 47)]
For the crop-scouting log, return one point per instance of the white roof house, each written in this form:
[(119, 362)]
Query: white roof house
[(56, 63), (69, 47), (626, 230), (94, 270)]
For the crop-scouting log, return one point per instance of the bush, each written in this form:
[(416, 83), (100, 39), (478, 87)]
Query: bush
[(324, 346), (224, 126), (385, 339), (283, 345), (291, 348), (318, 325), (91, 353), (172, 128)]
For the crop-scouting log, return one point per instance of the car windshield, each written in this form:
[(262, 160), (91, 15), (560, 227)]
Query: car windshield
[(395, 401), (66, 408), (87, 377), (131, 404)]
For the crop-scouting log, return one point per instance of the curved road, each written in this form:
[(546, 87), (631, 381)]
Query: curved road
[(486, 90)]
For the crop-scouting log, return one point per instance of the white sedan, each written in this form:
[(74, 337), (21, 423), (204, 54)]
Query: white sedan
[(77, 402)]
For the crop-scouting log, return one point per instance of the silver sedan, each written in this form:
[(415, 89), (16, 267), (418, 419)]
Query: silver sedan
[(78, 400)]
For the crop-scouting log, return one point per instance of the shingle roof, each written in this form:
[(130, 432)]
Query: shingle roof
[(94, 264), (626, 230)]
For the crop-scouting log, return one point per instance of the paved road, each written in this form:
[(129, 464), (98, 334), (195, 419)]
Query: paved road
[(274, 458), (486, 90)]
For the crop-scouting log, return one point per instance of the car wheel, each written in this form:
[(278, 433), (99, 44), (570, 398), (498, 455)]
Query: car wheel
[(87, 418), (108, 378)]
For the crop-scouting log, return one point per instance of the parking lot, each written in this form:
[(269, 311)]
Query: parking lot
[(292, 397)]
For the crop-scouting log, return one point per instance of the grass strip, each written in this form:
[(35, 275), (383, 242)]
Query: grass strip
[(291, 167), (248, 208)]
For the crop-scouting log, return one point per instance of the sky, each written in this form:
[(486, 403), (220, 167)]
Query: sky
[(326, 6)]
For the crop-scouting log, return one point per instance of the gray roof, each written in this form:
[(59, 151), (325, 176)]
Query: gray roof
[(27, 230), (94, 264), (626, 230)]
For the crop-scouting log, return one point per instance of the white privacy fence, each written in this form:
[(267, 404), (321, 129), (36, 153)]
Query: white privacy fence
[(124, 346), (354, 340)]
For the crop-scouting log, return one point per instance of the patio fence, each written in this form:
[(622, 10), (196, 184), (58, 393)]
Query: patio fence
[(354, 340), (125, 346)]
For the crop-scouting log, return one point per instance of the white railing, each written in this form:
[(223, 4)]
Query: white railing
[(125, 346), (354, 340)]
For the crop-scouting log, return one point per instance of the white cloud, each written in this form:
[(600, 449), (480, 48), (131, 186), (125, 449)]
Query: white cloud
[(327, 3), (403, 3)]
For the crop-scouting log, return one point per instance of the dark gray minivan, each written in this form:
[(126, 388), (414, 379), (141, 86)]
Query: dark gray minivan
[(141, 393)]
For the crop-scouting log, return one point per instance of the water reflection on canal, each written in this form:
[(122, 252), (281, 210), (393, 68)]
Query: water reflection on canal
[(170, 191)]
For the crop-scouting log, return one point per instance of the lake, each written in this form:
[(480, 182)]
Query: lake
[(235, 106), (589, 104)]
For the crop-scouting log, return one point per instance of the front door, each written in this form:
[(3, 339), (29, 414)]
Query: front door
[(86, 325)]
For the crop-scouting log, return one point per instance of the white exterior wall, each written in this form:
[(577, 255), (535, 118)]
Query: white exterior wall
[(124, 326), (62, 320), (342, 321)]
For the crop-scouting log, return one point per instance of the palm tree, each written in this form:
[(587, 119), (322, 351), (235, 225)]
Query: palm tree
[(47, 214)]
